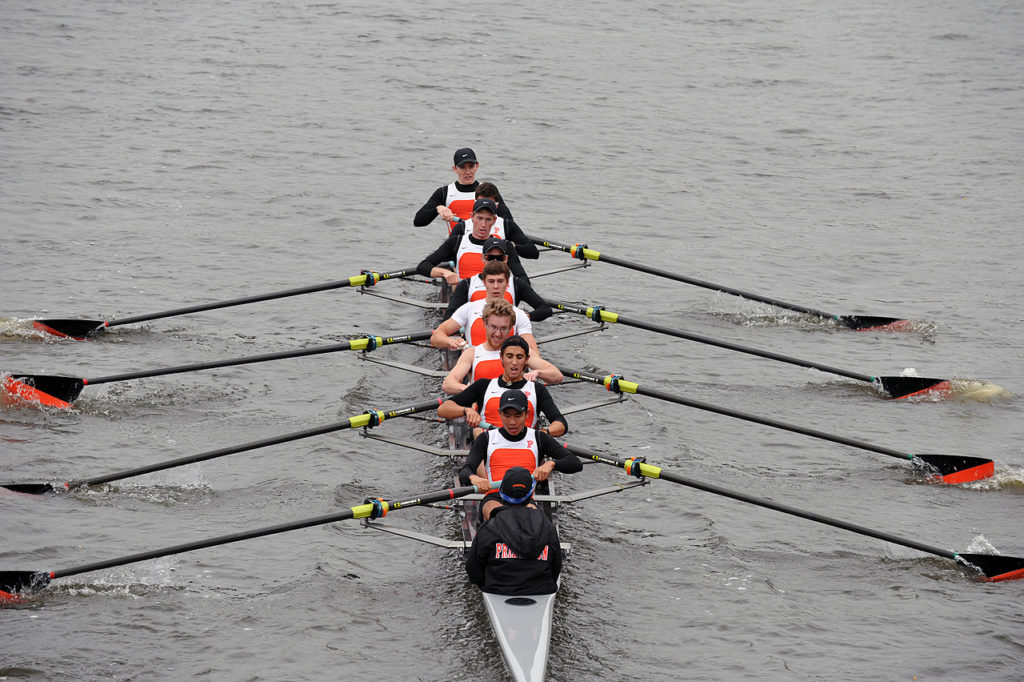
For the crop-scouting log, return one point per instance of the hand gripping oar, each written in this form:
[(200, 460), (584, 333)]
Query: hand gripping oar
[(948, 468), (80, 329), (13, 582), (894, 387), (856, 322), (994, 567), (61, 391), (365, 420)]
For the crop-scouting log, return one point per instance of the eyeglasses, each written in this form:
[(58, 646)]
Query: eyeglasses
[(498, 330), (494, 256)]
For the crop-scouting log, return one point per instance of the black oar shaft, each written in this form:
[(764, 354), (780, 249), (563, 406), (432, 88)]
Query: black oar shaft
[(362, 511), (590, 254), (651, 471), (355, 344), (599, 314), (355, 422), (631, 387), (357, 281)]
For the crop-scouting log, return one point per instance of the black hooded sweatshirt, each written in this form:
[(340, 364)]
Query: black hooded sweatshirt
[(516, 552)]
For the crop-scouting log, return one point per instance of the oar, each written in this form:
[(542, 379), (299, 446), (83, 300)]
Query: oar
[(950, 468), (13, 582), (894, 387), (60, 391), (994, 567), (366, 419), (857, 322), (80, 329)]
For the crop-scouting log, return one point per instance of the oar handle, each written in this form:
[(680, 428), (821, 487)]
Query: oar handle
[(598, 314), (367, 419), (364, 511), (366, 279), (366, 343), (651, 471), (583, 253)]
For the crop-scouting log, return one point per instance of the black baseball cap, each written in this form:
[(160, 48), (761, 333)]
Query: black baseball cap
[(517, 485), (495, 243), (513, 398), (485, 204), (465, 155)]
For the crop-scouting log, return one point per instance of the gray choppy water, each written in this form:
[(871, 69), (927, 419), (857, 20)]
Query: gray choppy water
[(858, 159)]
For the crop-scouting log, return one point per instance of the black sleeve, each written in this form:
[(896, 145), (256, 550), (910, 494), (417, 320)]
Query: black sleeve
[(503, 211), (524, 247), (546, 406), (428, 211), (477, 454), (527, 294), (565, 461), (459, 297), (445, 252), (474, 393), (516, 266)]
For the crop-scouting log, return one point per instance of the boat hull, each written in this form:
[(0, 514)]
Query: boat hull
[(522, 625)]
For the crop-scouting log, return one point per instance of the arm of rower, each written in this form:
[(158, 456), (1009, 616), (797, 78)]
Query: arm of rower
[(461, 404), (468, 472), (442, 336), (557, 424), (426, 214), (453, 383), (526, 293), (565, 462), (545, 371), (459, 297), (524, 247)]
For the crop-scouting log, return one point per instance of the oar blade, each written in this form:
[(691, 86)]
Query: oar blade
[(30, 488), (15, 583), (995, 567), (900, 388), (955, 469), (868, 323), (45, 389), (72, 329)]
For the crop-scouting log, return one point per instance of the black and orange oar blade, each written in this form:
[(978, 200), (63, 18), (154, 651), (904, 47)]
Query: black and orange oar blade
[(71, 329), (46, 389), (994, 567), (82, 329), (958, 468), (15, 584), (947, 468), (60, 391), (900, 388), (867, 323), (855, 322), (364, 420)]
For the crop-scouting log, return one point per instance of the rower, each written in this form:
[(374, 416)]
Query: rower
[(484, 361), (453, 202), (515, 290), (517, 552), (515, 353), (514, 444), (505, 223), (464, 247)]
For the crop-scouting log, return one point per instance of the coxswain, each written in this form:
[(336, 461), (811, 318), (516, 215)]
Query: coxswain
[(516, 289), (514, 354), (484, 361), (455, 201), (517, 551), (464, 247), (514, 444)]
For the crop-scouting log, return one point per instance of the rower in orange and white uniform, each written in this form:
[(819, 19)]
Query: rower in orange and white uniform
[(514, 354), (464, 247), (513, 445), (453, 202), (484, 361), (518, 289)]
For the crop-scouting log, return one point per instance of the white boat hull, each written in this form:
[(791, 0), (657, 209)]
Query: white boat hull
[(522, 625)]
